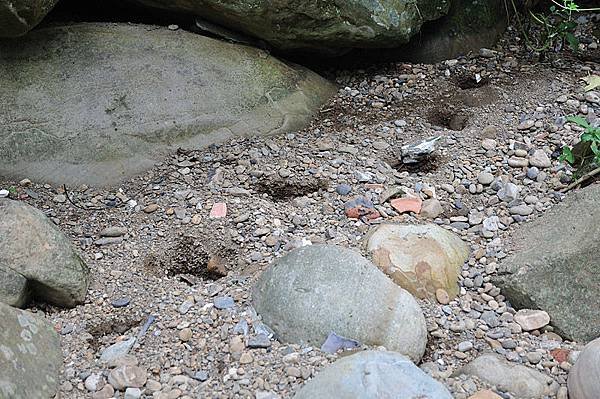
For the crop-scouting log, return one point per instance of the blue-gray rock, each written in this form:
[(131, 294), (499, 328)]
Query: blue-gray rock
[(224, 302), (37, 260), (30, 355), (120, 303), (373, 375), (318, 289), (343, 189), (555, 266)]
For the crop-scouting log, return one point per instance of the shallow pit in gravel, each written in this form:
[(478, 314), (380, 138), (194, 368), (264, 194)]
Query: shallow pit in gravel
[(448, 117), (193, 256), (470, 81), (285, 189)]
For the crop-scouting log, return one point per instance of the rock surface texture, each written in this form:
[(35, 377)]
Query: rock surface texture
[(319, 289), (419, 258), (373, 375), (584, 377), (522, 381), (37, 260), (17, 17), (30, 355), (94, 103), (317, 25), (555, 268)]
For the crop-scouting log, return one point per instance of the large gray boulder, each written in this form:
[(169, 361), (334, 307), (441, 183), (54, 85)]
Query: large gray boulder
[(95, 103), (30, 355), (522, 381), (17, 17), (37, 260), (373, 375), (316, 290), (555, 266), (327, 25)]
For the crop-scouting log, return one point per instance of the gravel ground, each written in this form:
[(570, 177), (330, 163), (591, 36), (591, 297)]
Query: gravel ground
[(498, 112)]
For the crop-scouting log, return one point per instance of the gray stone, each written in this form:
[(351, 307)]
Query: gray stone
[(30, 355), (555, 266), (584, 376), (373, 374), (509, 192), (522, 381), (17, 17), (540, 159), (485, 178), (89, 123), (224, 302), (325, 25), (32, 248), (522, 210), (318, 289)]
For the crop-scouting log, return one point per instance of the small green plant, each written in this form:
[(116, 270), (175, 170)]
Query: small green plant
[(556, 28), (585, 154), (12, 191)]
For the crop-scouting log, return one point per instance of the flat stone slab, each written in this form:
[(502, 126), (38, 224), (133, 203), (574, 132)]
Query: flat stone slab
[(95, 103)]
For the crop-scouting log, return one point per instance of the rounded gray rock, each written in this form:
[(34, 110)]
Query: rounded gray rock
[(584, 376), (373, 375), (316, 290), (37, 259)]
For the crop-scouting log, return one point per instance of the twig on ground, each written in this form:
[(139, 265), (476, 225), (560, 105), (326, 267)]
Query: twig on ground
[(581, 180)]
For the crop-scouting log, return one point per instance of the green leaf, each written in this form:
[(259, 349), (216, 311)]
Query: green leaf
[(567, 155), (580, 120), (595, 148), (573, 41)]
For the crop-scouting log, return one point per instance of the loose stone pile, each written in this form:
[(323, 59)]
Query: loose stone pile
[(152, 326)]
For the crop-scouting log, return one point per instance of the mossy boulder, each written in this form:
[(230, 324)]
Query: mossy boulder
[(17, 17), (327, 25), (95, 103)]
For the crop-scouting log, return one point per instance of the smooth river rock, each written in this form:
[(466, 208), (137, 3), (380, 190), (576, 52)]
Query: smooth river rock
[(316, 290), (555, 266), (30, 355), (373, 375), (522, 381), (95, 103), (37, 259), (584, 376), (419, 258)]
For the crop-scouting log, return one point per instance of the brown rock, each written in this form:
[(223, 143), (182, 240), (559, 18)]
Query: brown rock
[(487, 394), (419, 258), (217, 266), (403, 205)]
